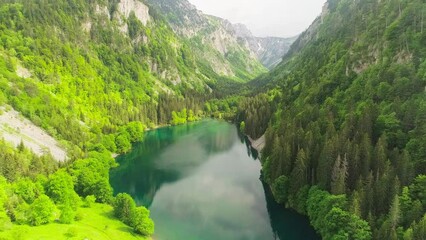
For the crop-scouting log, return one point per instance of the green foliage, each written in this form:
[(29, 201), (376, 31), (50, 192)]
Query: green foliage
[(242, 126), (41, 211), (136, 131), (280, 189), (329, 217), (5, 223), (89, 201), (124, 206), (60, 188), (141, 222), (18, 164), (67, 214), (179, 117), (137, 217), (122, 141), (97, 223), (27, 190), (91, 177), (255, 112), (419, 231)]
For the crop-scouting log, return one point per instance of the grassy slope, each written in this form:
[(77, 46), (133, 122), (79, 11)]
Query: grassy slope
[(97, 223)]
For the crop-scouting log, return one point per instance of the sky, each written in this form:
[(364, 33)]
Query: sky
[(275, 18)]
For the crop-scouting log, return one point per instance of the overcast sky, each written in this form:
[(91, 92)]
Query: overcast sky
[(278, 18)]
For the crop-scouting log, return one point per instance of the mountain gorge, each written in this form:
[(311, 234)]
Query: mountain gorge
[(342, 109), (269, 50)]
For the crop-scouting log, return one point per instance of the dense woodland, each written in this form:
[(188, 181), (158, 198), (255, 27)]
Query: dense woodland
[(346, 144)]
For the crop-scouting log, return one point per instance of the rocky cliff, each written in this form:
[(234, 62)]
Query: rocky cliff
[(268, 50)]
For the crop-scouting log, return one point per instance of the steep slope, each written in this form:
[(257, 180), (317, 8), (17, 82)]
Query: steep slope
[(18, 130), (346, 113), (269, 50), (212, 39)]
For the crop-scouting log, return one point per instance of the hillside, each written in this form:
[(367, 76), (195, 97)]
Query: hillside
[(213, 40), (345, 121)]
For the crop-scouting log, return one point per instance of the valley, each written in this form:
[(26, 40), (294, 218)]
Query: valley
[(337, 114)]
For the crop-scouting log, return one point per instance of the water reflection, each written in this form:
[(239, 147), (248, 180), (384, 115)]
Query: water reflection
[(167, 155), (200, 182)]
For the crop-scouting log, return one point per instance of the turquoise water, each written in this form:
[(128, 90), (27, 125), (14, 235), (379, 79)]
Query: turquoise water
[(201, 182)]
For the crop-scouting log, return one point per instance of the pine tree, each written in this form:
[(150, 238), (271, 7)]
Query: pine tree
[(355, 207), (395, 212), (380, 155), (338, 176), (298, 176)]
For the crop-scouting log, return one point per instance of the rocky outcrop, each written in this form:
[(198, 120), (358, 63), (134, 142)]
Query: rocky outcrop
[(125, 7)]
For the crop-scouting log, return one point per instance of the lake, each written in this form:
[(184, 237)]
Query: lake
[(201, 181)]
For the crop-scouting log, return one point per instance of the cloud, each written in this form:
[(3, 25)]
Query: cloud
[(282, 18)]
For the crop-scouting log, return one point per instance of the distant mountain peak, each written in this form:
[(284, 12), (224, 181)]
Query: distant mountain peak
[(268, 50)]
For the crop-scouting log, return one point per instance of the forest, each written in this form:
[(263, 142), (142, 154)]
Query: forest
[(345, 120)]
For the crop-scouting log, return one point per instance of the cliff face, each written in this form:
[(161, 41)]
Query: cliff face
[(268, 50), (273, 49)]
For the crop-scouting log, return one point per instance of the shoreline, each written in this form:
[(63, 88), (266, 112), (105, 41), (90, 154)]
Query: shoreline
[(115, 155), (258, 144)]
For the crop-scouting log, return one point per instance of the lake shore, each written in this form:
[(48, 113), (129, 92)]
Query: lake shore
[(258, 144)]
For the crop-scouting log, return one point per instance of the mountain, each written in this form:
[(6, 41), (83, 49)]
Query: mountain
[(221, 41), (212, 40), (269, 50), (344, 118)]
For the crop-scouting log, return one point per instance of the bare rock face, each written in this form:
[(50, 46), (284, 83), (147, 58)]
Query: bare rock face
[(22, 72), (272, 49), (268, 50), (125, 7)]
